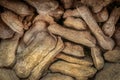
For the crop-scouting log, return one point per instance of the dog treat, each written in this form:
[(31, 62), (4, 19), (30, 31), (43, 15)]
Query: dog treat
[(109, 26), (87, 38), (32, 57), (101, 16), (73, 49), (75, 23), (74, 70), (97, 57), (43, 64), (104, 41), (113, 55), (37, 27), (7, 51), (81, 61), (12, 21), (59, 39)]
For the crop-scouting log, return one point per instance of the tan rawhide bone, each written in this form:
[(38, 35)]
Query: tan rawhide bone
[(44, 64), (7, 51), (18, 7), (97, 57), (12, 20), (80, 72), (37, 27), (81, 37), (101, 16), (71, 59), (109, 26), (73, 49), (30, 57), (75, 23), (104, 41)]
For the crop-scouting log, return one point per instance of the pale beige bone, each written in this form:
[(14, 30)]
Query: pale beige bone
[(37, 27), (74, 70), (44, 63), (101, 16), (75, 23), (104, 41), (73, 49), (8, 50), (71, 59), (81, 37), (31, 56), (12, 20), (97, 57), (109, 25), (69, 13)]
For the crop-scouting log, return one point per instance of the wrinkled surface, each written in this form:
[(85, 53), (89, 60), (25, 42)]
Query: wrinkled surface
[(8, 17), (37, 27), (43, 64), (71, 59), (74, 70), (97, 57), (109, 26), (87, 38), (30, 58), (75, 23), (73, 49), (59, 40)]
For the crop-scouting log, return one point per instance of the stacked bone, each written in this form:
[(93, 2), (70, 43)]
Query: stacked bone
[(59, 40)]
